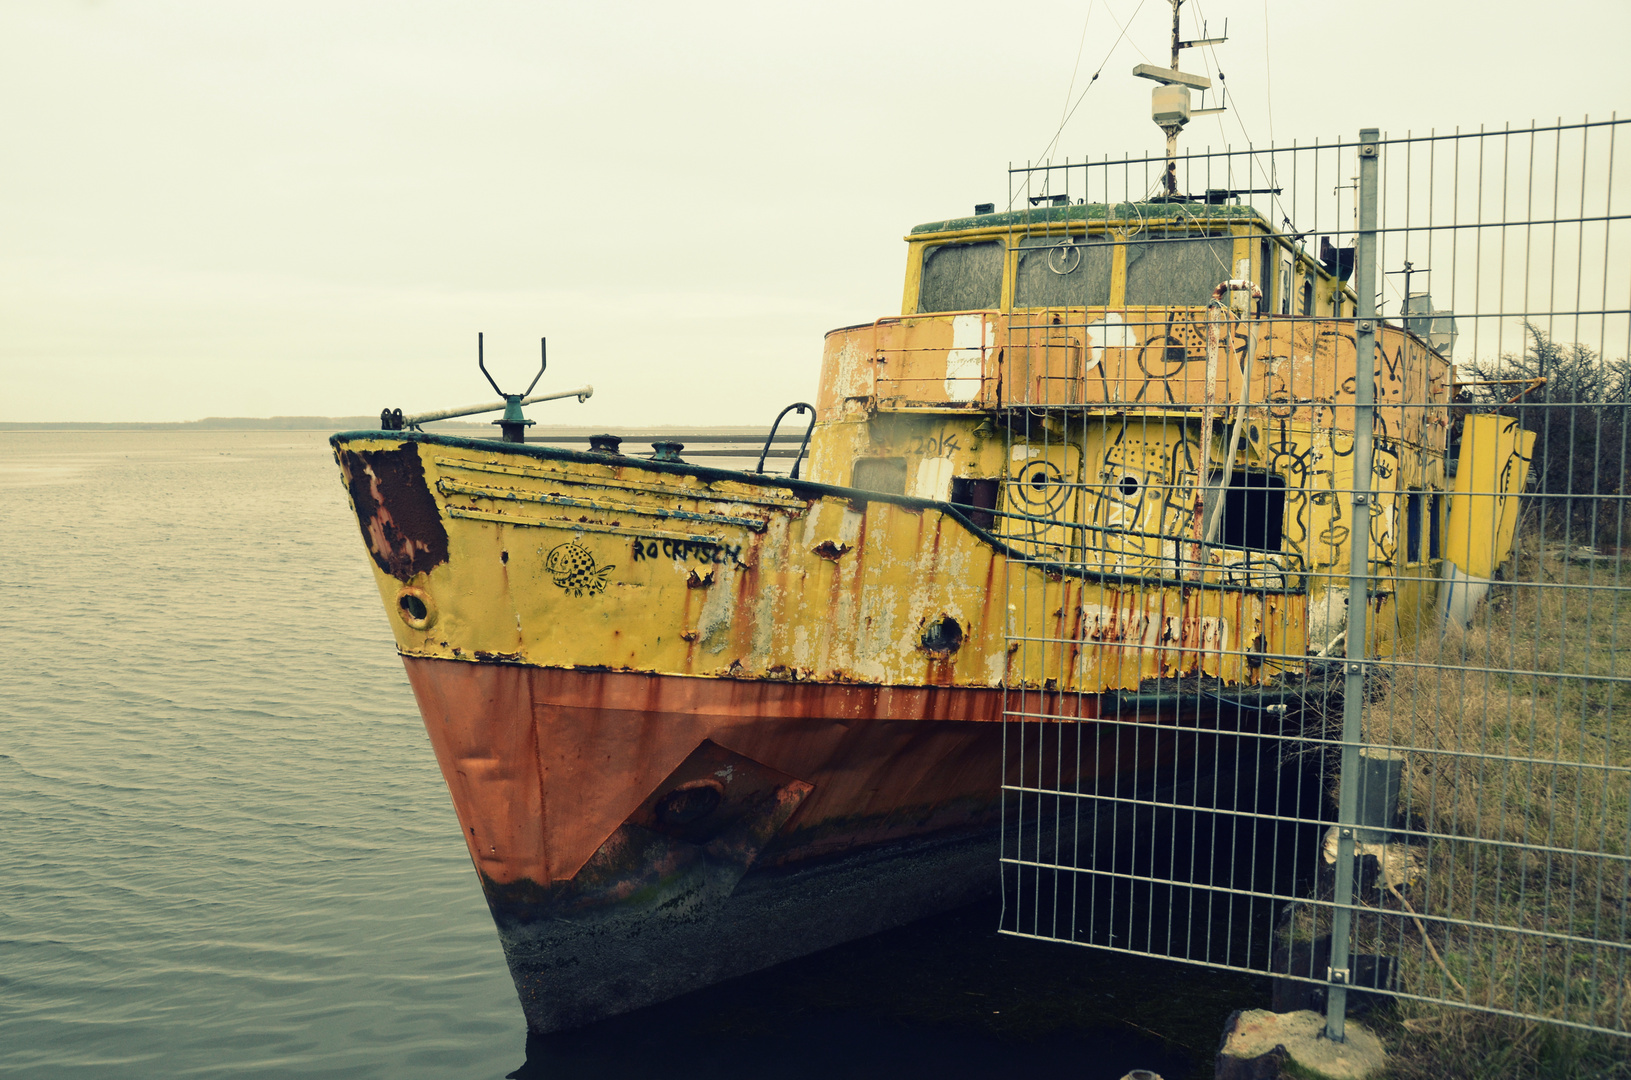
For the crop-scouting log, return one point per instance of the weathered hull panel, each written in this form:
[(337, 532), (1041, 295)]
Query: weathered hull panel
[(571, 972), (755, 821), (545, 763)]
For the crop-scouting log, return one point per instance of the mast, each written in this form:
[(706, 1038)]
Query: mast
[(1170, 101), (1173, 129)]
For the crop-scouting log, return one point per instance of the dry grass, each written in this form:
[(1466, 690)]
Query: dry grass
[(1513, 731)]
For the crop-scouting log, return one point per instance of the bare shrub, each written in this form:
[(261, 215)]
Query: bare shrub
[(1517, 795), (1579, 416)]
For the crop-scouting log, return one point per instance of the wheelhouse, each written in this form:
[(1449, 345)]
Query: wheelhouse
[(1121, 255)]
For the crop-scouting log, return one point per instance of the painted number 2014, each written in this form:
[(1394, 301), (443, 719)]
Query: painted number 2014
[(937, 445)]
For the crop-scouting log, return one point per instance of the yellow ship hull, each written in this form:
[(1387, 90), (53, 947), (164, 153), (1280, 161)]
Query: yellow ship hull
[(668, 698)]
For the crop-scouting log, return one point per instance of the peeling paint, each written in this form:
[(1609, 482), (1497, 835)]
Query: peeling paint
[(395, 509)]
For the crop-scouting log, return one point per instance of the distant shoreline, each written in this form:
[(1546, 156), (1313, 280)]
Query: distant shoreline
[(563, 432)]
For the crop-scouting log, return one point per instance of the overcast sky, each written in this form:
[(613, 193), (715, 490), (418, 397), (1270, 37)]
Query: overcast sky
[(251, 209)]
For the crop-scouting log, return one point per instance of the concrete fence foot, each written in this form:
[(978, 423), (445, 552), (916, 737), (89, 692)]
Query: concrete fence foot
[(1263, 1045)]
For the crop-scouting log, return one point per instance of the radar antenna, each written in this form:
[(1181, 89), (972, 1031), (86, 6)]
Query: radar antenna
[(1170, 101)]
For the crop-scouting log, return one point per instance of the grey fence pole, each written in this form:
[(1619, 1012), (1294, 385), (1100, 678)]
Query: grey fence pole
[(1353, 683)]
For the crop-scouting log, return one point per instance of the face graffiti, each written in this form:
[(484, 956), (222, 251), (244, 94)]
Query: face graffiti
[(1144, 483), (1328, 501), (1327, 504)]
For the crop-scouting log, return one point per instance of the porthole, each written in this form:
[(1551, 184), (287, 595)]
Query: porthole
[(415, 608), (944, 635), (1041, 489), (1129, 487)]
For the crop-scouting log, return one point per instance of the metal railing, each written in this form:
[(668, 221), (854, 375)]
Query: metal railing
[(1424, 792)]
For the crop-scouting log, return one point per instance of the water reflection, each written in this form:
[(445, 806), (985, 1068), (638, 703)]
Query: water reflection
[(947, 997)]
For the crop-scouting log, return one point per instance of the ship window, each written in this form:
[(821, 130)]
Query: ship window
[(1261, 275), (961, 277), (1058, 272), (1177, 271), (886, 476), (1308, 295), (1254, 510), (1432, 526), (1285, 288), (1412, 518)]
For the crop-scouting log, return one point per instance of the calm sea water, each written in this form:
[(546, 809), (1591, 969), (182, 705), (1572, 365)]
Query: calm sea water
[(225, 848)]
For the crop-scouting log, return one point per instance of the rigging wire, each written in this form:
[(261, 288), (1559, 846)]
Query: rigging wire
[(1064, 109), (1271, 175), (1119, 38), (1268, 69)]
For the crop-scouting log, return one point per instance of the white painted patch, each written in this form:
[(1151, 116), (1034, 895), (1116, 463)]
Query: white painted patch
[(1327, 617), (933, 480), (1110, 332), (971, 338), (1459, 597), (849, 526), (1254, 571), (1241, 299), (714, 620), (1208, 634), (1025, 452), (1102, 624), (854, 368)]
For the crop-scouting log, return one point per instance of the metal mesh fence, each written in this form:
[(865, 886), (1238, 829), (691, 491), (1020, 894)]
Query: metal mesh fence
[(1324, 467)]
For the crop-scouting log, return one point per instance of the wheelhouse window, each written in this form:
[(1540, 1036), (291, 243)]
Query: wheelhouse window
[(884, 475), (961, 277), (1059, 271), (1180, 270)]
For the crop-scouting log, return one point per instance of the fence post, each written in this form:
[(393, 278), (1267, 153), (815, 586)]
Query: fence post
[(1353, 683)]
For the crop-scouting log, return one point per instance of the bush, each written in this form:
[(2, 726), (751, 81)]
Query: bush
[(1577, 477)]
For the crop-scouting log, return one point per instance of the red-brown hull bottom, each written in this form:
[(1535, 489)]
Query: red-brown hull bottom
[(639, 836)]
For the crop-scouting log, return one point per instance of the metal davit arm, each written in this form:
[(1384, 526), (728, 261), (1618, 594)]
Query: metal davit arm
[(514, 424)]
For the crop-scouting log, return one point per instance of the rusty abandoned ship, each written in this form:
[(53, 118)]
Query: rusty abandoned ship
[(698, 721)]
